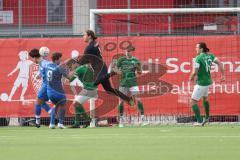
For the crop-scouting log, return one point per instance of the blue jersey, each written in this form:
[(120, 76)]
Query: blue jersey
[(42, 69), (54, 74)]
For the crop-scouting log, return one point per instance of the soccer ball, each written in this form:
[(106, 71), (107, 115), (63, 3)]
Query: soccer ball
[(74, 54), (4, 97), (44, 51)]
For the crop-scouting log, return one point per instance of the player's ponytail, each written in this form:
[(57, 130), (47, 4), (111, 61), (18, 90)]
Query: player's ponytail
[(203, 45), (92, 34)]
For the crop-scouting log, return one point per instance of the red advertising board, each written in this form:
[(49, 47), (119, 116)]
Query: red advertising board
[(165, 89)]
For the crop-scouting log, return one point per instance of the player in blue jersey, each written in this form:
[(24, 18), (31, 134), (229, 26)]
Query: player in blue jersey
[(55, 73), (40, 57)]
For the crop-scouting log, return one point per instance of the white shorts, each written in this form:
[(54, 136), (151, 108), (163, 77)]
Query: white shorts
[(76, 82), (199, 92), (85, 95), (21, 80), (134, 90)]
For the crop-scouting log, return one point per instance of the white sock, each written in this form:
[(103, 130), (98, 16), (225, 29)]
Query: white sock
[(121, 119), (37, 120)]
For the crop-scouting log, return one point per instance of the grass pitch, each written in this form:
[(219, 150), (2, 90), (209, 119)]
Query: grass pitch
[(148, 143)]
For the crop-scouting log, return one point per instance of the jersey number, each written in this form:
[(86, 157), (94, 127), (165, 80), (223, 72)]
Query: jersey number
[(208, 64), (49, 75)]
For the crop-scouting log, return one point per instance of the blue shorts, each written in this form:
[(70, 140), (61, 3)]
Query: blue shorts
[(42, 93), (57, 98)]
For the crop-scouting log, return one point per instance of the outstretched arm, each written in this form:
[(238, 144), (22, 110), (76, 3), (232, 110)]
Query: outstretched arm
[(139, 68), (14, 70), (70, 76)]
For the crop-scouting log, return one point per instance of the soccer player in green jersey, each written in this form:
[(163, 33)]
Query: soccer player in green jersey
[(202, 67), (128, 66), (85, 74)]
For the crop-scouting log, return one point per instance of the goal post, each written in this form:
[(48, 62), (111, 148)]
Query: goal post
[(171, 37), (94, 12)]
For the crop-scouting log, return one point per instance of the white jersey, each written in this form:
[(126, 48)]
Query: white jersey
[(24, 67)]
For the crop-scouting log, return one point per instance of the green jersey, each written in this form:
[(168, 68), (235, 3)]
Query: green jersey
[(128, 68), (86, 75), (203, 62)]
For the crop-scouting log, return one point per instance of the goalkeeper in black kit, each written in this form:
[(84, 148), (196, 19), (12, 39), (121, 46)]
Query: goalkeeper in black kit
[(92, 55)]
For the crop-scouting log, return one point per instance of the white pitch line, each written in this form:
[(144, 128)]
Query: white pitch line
[(142, 137), (18, 100), (4, 137), (29, 100), (124, 136), (102, 136)]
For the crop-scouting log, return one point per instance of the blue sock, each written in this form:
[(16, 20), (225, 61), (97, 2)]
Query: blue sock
[(37, 110), (61, 115), (52, 116), (46, 107)]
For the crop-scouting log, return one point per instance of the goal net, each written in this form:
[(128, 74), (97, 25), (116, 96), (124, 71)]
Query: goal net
[(165, 41)]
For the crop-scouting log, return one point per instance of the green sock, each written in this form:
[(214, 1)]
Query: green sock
[(206, 107), (120, 109), (197, 113), (140, 108), (78, 111)]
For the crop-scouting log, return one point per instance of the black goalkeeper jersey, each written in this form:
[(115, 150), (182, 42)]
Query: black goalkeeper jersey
[(93, 49), (92, 55)]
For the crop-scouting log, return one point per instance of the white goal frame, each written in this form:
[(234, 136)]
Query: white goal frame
[(94, 12)]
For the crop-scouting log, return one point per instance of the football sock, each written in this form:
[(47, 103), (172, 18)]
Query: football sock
[(197, 113), (206, 107)]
